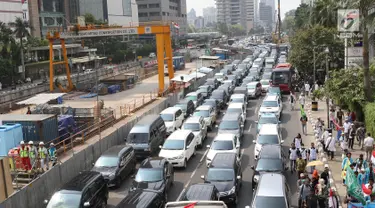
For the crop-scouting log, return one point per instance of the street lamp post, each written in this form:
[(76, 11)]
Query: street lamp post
[(327, 77), (314, 66)]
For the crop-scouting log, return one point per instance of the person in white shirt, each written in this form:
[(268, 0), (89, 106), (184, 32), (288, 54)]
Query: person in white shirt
[(293, 154), (369, 146), (346, 129), (312, 155), (330, 146), (303, 152), (307, 88), (298, 141), (302, 100)]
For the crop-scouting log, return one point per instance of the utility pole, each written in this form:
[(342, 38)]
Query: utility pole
[(327, 77), (279, 19)]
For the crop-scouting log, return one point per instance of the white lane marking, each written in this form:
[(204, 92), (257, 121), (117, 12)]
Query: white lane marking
[(242, 150), (179, 196), (204, 155), (193, 173), (250, 128)]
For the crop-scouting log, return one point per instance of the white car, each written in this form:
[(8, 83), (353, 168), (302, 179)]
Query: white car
[(268, 134), (179, 147), (265, 84), (198, 126), (173, 118), (237, 108), (238, 98), (220, 77), (271, 104), (208, 113), (223, 143)]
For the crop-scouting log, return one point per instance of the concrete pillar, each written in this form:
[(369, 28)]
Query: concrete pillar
[(34, 17), (59, 54)]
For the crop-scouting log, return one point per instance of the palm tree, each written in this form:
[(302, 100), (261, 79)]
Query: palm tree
[(366, 21), (21, 31), (325, 12)]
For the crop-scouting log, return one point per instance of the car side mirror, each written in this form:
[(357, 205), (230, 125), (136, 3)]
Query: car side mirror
[(216, 126), (282, 142), (125, 139), (45, 201), (202, 128), (132, 176), (202, 177), (256, 122), (238, 146), (242, 125), (86, 204), (254, 141), (238, 177), (208, 146), (279, 122), (160, 146), (252, 167)]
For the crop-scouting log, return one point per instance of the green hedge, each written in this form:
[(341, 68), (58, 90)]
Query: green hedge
[(370, 118)]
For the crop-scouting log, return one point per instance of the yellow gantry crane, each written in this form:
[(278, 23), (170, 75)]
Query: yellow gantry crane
[(163, 44)]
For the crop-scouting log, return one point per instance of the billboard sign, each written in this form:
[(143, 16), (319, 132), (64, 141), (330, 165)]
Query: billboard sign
[(348, 20)]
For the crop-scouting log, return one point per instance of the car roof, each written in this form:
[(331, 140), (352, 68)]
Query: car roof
[(231, 116), (204, 107), (268, 129), (223, 160), (79, 182), (265, 80), (145, 121), (271, 98), (240, 88), (235, 105), (193, 119), (199, 191), (192, 93), (170, 110), (184, 101), (153, 162), (252, 83), (268, 115), (139, 197), (224, 136), (219, 73), (271, 185), (179, 135), (237, 96), (270, 152), (116, 150)]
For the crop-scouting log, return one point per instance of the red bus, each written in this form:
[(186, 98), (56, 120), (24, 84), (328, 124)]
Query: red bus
[(282, 77)]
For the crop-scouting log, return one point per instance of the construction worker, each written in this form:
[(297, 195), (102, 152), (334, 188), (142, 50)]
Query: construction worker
[(24, 155), (52, 154), (33, 154), (43, 153)]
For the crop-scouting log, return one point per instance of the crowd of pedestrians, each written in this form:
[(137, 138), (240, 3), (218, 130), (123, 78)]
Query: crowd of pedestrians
[(36, 158)]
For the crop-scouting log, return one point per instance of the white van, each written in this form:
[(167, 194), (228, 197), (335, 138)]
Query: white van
[(173, 118)]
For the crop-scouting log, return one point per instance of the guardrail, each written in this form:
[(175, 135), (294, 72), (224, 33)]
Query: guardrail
[(137, 103)]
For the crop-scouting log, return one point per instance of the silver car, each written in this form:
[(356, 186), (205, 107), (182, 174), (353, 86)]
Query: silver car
[(198, 126)]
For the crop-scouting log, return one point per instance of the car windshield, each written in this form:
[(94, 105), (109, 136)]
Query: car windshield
[(210, 82), (217, 95), (171, 144), (218, 174), (192, 97), (237, 100), (222, 145), (192, 126), (266, 201), (234, 110), (219, 76), (269, 104), (203, 113), (106, 161), (149, 175), (265, 82), (266, 76), (167, 117), (268, 139), (228, 67), (229, 125), (138, 138), (269, 165), (182, 106), (253, 73), (242, 66), (66, 200), (268, 120), (209, 102), (252, 86), (274, 90)]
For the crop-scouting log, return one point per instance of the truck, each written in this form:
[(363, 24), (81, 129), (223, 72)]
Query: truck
[(178, 63)]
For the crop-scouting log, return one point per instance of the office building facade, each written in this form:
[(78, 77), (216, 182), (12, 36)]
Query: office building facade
[(266, 14), (210, 15), (232, 12)]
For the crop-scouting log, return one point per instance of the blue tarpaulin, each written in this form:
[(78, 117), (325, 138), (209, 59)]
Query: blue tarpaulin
[(114, 89), (66, 124), (90, 95)]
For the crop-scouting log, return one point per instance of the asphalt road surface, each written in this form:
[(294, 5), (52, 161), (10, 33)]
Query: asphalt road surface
[(196, 166)]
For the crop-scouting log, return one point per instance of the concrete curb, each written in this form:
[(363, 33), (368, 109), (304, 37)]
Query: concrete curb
[(323, 155)]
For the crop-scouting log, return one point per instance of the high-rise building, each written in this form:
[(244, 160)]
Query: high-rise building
[(266, 14), (249, 11), (271, 3), (256, 13), (231, 12), (191, 17), (10, 10), (164, 11), (209, 15), (199, 22)]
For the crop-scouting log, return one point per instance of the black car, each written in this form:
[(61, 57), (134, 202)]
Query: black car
[(213, 82), (270, 159), (116, 164), (154, 174), (221, 96), (206, 90), (201, 192), (225, 173), (143, 199), (187, 106), (88, 189)]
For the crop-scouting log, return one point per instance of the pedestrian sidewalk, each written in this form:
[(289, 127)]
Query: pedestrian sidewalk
[(335, 164)]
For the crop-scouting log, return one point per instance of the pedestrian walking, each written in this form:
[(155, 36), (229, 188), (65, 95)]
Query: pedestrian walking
[(302, 100), (43, 153), (352, 131), (330, 146), (339, 115), (303, 152), (346, 129), (319, 126), (52, 154), (369, 146), (304, 191), (325, 174), (307, 89), (312, 200), (28, 110), (361, 176), (361, 161), (33, 154), (369, 173), (322, 193), (312, 155), (24, 155), (346, 162), (298, 141), (293, 154), (291, 101), (301, 165), (303, 120), (331, 118), (360, 135)]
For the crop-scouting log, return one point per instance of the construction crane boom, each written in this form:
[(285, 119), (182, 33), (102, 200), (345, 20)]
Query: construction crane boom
[(163, 39)]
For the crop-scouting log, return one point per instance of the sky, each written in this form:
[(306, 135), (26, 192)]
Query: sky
[(198, 5)]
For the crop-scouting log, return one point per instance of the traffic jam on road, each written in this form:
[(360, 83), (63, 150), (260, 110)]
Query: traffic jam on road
[(221, 146)]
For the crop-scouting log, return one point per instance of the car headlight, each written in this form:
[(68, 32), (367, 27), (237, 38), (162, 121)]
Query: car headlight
[(178, 157), (232, 191), (256, 178)]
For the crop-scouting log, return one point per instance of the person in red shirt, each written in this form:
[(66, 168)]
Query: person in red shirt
[(353, 116)]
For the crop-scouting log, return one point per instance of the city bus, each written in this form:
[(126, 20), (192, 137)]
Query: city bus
[(282, 77)]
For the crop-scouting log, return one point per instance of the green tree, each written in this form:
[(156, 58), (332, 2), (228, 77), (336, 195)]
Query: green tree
[(89, 18), (21, 31), (325, 12), (222, 28), (237, 30), (302, 16), (191, 29)]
